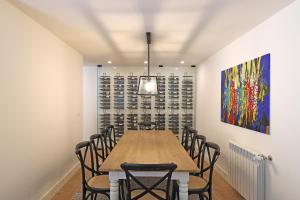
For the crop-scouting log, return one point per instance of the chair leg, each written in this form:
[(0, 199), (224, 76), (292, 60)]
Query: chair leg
[(83, 193), (209, 193), (204, 197), (120, 189), (173, 192), (201, 197), (123, 189), (95, 197)]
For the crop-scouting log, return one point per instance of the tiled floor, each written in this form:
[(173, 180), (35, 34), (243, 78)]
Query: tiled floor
[(221, 189)]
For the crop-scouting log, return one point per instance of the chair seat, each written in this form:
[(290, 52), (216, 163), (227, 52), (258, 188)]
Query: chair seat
[(196, 182), (99, 182), (148, 196)]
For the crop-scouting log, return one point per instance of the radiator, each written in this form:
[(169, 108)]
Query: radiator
[(247, 172)]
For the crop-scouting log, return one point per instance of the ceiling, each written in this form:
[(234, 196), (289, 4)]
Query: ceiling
[(189, 30)]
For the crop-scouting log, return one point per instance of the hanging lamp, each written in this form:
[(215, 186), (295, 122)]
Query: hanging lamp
[(148, 84)]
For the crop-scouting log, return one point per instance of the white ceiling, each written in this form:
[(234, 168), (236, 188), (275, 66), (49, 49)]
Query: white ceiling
[(189, 30)]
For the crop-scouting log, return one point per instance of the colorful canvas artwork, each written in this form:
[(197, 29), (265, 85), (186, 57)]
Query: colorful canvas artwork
[(245, 97)]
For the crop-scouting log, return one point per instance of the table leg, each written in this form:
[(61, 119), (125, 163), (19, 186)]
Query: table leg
[(114, 187), (183, 187)]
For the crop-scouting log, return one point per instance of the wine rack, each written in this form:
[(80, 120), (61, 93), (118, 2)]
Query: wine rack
[(119, 124), (173, 83), (132, 121), (119, 92), (119, 104), (146, 117), (187, 93), (146, 102), (160, 99), (104, 92), (174, 123), (132, 88), (187, 120), (160, 120), (104, 121)]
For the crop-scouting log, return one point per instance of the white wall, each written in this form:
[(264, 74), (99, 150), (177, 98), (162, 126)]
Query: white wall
[(89, 101), (280, 36), (40, 106)]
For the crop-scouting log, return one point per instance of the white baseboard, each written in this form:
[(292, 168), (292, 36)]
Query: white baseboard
[(222, 172), (58, 185)]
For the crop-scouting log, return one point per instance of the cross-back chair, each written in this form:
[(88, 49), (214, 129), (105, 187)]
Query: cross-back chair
[(152, 191), (92, 183), (188, 138), (201, 184), (111, 137), (197, 149), (100, 148), (184, 134)]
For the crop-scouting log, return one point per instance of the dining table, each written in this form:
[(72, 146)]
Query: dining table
[(149, 147)]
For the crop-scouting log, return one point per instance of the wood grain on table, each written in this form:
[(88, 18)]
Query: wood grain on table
[(149, 147)]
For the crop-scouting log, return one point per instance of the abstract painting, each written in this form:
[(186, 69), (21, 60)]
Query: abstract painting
[(245, 97)]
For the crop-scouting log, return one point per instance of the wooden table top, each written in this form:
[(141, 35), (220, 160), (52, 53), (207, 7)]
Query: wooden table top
[(149, 147)]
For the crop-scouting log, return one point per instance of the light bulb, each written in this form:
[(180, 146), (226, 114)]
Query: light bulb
[(149, 86)]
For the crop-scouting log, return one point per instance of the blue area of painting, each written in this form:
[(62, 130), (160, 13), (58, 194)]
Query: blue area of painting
[(265, 62), (262, 120)]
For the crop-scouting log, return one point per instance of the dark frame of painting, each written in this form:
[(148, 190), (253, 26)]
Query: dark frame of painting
[(245, 95)]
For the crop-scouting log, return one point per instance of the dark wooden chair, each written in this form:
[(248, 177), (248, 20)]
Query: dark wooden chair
[(201, 184), (105, 137), (151, 191), (98, 142), (92, 183), (112, 141), (187, 138), (184, 134), (196, 149), (101, 150)]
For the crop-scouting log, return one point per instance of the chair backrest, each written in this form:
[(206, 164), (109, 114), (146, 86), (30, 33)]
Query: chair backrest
[(184, 134), (100, 149), (189, 138), (111, 137), (105, 137), (84, 153), (212, 152), (130, 178), (197, 149)]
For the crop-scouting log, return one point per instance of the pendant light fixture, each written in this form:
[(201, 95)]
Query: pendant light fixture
[(148, 84)]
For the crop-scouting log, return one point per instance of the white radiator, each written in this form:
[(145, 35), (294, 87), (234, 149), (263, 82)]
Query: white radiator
[(247, 172)]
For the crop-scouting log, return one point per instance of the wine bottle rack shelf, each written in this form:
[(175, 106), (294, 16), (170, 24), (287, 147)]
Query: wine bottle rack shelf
[(119, 104)]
